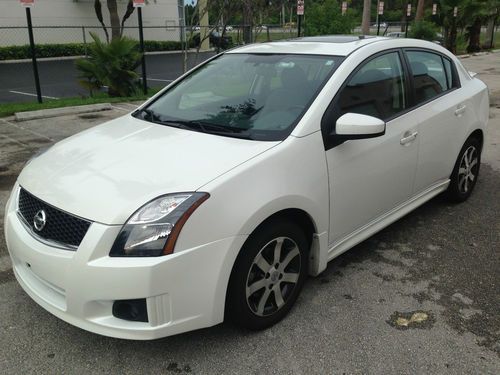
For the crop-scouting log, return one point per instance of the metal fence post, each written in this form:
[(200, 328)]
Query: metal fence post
[(33, 55), (84, 40), (143, 62)]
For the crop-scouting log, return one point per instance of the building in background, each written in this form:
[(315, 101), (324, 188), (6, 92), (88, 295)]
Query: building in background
[(67, 21)]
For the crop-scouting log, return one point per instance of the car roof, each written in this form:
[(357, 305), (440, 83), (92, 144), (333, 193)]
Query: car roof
[(338, 45)]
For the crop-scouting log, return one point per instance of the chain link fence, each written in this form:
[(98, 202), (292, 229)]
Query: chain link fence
[(170, 51)]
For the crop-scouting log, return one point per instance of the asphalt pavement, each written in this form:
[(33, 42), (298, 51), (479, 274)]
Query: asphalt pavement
[(420, 297), (59, 77)]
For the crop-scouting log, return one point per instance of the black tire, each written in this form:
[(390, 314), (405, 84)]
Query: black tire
[(461, 185), (245, 311)]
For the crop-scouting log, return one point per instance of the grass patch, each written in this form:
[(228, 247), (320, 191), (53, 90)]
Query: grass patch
[(9, 109)]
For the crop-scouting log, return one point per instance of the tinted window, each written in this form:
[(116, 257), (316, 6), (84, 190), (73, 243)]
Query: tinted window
[(256, 96), (376, 89), (429, 75)]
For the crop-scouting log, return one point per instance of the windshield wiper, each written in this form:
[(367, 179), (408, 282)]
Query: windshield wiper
[(208, 127), (201, 126)]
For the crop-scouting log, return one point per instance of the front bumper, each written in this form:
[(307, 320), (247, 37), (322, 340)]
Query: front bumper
[(184, 291)]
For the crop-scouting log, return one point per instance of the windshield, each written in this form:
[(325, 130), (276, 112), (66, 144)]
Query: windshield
[(251, 96)]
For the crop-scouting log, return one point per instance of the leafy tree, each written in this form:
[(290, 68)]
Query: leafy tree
[(473, 14), (325, 17), (423, 30)]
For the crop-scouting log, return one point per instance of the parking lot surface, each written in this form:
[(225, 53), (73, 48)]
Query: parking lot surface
[(419, 297)]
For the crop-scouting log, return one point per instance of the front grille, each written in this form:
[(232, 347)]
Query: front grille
[(60, 227)]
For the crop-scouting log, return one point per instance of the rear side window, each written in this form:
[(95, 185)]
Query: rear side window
[(376, 89), (430, 77)]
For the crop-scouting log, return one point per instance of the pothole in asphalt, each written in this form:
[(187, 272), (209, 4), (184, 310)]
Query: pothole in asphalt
[(412, 319)]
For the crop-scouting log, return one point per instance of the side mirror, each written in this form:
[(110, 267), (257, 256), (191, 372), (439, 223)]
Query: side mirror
[(358, 126)]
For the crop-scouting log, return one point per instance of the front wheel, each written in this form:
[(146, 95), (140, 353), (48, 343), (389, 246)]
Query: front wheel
[(268, 275), (466, 171)]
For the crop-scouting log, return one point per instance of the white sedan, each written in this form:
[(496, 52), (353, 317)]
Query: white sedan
[(220, 195)]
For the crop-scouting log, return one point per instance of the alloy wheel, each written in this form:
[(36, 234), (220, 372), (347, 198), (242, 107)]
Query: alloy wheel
[(468, 169), (273, 276)]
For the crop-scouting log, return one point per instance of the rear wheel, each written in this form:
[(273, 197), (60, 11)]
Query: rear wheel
[(268, 275), (466, 171)]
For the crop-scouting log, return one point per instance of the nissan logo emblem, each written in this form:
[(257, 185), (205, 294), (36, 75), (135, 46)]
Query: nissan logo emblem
[(40, 220)]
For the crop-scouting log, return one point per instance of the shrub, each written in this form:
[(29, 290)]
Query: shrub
[(74, 49), (111, 65), (423, 30)]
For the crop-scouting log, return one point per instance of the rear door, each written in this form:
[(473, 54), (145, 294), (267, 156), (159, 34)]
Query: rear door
[(442, 113)]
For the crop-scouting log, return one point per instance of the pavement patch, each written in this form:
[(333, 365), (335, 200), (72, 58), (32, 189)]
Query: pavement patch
[(410, 320)]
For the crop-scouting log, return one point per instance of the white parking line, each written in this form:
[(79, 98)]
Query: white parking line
[(27, 130), (15, 141), (29, 94), (161, 80)]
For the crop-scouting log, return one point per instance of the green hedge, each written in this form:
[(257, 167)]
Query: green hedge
[(74, 49)]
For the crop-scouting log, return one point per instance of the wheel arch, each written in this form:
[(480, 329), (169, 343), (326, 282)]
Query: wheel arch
[(479, 135), (306, 221)]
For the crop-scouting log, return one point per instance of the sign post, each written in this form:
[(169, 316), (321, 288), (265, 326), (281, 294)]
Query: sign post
[(408, 15), (139, 4), (28, 4), (300, 14), (380, 13)]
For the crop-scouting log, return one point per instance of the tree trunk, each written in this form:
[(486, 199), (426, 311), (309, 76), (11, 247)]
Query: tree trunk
[(247, 22), (419, 16), (451, 44), (365, 23), (403, 17), (98, 12), (490, 37), (114, 19), (474, 35)]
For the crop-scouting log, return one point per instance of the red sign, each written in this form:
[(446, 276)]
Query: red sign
[(138, 3), (27, 3), (381, 8), (344, 7), (300, 7), (408, 10)]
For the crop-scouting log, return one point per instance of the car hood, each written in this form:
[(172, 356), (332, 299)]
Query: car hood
[(106, 173)]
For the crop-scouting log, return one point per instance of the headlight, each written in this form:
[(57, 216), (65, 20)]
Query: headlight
[(153, 229)]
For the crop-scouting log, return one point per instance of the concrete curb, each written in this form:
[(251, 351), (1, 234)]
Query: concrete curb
[(55, 112), (42, 59)]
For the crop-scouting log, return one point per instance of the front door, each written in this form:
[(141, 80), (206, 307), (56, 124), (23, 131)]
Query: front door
[(369, 177)]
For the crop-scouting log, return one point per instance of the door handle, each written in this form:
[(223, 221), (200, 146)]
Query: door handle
[(460, 110), (408, 137)]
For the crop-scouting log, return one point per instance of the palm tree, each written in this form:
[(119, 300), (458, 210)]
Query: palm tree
[(114, 18)]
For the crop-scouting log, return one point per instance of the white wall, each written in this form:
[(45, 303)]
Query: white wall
[(77, 13)]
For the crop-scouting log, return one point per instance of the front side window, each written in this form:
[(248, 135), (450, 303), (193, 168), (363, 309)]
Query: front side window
[(376, 89), (253, 96), (429, 75)]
